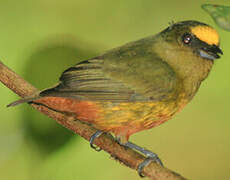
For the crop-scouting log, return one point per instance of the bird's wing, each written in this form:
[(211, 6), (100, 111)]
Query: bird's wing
[(88, 81), (107, 80)]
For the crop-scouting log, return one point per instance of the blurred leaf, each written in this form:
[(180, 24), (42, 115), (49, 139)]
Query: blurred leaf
[(220, 14)]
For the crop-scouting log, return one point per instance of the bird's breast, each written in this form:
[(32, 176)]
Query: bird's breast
[(141, 115)]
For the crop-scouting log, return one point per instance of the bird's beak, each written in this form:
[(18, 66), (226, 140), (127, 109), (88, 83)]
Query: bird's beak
[(210, 52)]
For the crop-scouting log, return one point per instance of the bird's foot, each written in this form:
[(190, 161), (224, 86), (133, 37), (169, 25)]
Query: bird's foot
[(92, 138), (150, 156)]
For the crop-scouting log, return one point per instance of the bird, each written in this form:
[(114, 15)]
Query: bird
[(136, 86)]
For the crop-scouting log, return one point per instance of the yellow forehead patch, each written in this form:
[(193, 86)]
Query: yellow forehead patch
[(206, 34)]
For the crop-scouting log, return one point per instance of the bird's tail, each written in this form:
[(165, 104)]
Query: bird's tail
[(24, 100)]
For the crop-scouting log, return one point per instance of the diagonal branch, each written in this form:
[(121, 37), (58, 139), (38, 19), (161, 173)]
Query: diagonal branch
[(126, 156)]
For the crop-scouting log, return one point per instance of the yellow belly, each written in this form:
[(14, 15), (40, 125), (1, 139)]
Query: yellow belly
[(124, 119)]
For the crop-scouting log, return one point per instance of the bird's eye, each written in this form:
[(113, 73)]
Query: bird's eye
[(187, 38)]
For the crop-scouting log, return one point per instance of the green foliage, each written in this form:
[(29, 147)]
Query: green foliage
[(220, 14)]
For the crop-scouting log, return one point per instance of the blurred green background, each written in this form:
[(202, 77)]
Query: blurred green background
[(40, 39)]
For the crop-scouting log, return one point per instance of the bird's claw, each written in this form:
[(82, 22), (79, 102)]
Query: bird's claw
[(92, 138), (153, 156), (150, 157), (140, 167)]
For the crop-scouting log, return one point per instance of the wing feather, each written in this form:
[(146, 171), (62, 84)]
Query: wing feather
[(87, 80), (111, 80)]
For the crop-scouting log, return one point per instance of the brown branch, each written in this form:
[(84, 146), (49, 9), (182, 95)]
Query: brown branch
[(126, 156)]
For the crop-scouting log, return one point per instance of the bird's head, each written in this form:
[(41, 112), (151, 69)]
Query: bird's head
[(196, 37), (189, 47)]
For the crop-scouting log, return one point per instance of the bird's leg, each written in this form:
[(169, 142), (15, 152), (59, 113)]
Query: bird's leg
[(150, 156), (93, 137)]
